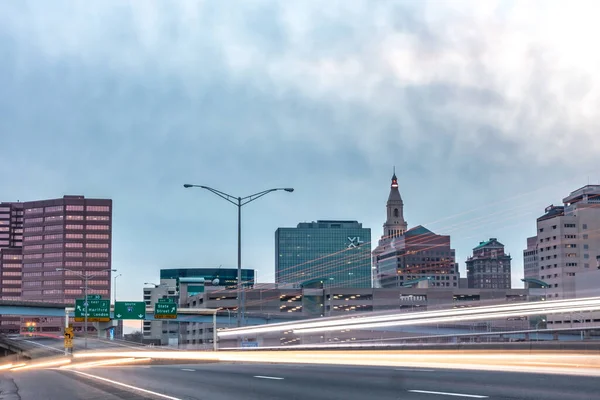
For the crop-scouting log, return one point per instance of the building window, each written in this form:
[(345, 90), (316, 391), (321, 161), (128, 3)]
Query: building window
[(53, 218), (586, 256), (30, 211), (52, 255), (584, 226), (53, 209), (96, 245), (97, 218), (96, 264), (98, 208), (32, 256), (74, 235), (96, 255), (73, 207), (74, 226), (53, 264), (74, 217), (74, 245), (53, 237), (98, 227), (73, 254), (74, 264), (30, 265), (33, 229), (32, 247), (97, 236), (53, 228)]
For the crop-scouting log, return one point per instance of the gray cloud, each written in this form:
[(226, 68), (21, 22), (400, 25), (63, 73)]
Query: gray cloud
[(129, 100)]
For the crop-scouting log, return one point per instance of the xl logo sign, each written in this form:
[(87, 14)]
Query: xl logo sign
[(354, 242)]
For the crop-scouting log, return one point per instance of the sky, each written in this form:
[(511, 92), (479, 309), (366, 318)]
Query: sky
[(487, 109)]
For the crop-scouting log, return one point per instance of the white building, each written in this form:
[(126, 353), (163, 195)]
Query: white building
[(568, 244)]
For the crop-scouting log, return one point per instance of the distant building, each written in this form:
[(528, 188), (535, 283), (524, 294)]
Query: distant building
[(220, 276), (335, 252), (531, 269), (489, 266), (404, 257), (568, 243), (42, 236)]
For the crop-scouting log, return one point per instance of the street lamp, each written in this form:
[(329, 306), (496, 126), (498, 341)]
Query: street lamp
[(85, 278), (238, 202), (115, 287)]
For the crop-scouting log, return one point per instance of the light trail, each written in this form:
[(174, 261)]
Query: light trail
[(519, 309)]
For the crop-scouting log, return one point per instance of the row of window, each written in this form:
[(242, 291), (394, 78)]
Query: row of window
[(12, 257), (88, 227), (95, 236), (58, 264), (69, 207)]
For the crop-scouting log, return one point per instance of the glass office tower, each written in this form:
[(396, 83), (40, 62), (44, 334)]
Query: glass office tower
[(336, 252)]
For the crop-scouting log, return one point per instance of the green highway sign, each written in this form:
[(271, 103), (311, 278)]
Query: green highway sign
[(97, 310), (165, 310), (94, 297), (168, 300), (130, 310)]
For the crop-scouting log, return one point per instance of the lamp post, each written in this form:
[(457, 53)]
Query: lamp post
[(238, 202), (85, 278), (115, 287)]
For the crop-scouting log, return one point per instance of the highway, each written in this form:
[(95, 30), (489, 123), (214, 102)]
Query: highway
[(229, 381)]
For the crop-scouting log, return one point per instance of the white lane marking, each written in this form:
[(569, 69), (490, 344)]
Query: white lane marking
[(473, 396), (164, 396), (188, 369), (268, 377), (414, 369)]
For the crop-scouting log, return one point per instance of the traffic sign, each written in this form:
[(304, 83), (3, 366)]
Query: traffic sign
[(166, 300), (130, 310), (94, 297), (98, 310), (69, 335), (165, 310)]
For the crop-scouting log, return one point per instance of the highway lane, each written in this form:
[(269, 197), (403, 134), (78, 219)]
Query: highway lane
[(224, 381)]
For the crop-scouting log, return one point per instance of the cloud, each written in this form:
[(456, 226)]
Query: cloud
[(469, 99)]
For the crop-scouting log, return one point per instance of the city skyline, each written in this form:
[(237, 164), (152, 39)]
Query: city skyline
[(128, 116)]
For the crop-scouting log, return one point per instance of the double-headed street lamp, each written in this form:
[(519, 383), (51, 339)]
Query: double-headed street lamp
[(85, 278), (239, 202)]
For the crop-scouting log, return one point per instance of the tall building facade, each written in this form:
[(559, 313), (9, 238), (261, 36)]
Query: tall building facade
[(335, 252), (404, 256), (568, 241), (531, 269), (39, 238), (489, 266)]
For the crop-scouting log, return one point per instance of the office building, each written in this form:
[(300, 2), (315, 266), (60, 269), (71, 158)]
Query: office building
[(404, 257), (568, 243), (335, 252), (181, 283), (218, 276), (39, 237), (489, 266), (531, 268)]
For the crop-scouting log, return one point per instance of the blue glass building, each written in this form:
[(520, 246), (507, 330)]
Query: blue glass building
[(336, 252)]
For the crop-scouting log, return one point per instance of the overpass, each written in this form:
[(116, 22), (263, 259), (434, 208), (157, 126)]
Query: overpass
[(42, 309)]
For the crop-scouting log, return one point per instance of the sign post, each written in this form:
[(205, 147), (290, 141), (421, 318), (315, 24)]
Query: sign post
[(69, 335)]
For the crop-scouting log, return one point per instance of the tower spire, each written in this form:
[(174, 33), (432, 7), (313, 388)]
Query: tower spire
[(395, 224)]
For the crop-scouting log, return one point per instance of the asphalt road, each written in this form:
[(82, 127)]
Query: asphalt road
[(269, 381)]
